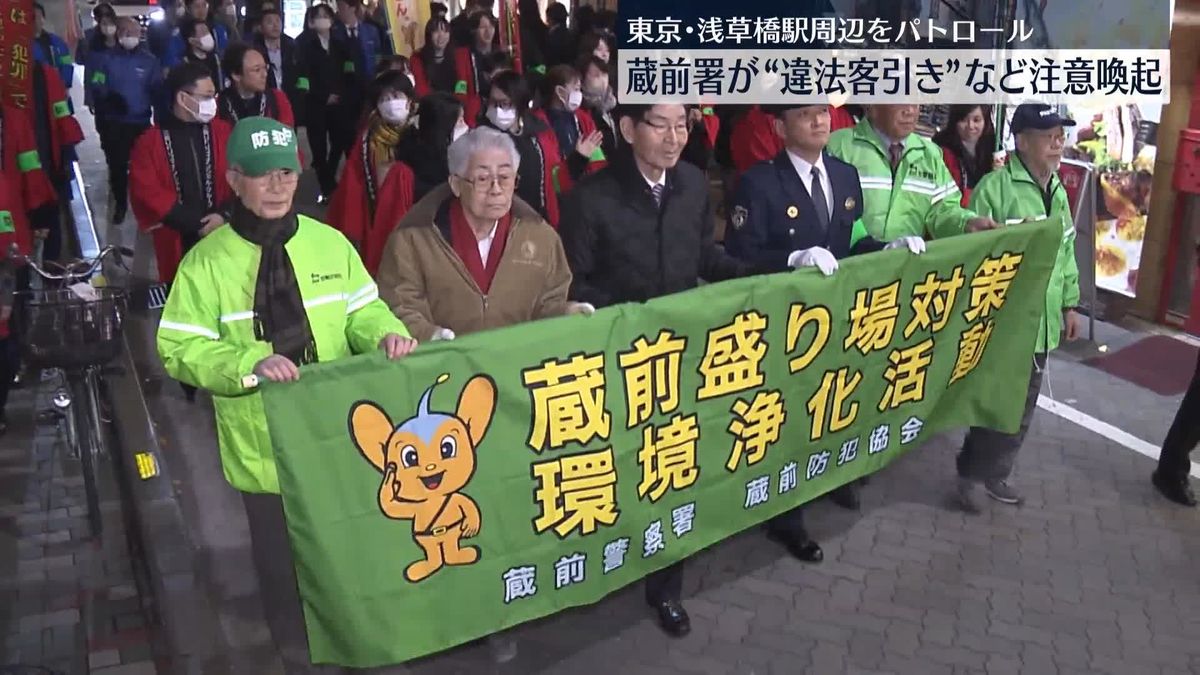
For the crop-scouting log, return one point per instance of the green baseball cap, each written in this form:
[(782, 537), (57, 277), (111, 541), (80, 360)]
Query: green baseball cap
[(259, 145)]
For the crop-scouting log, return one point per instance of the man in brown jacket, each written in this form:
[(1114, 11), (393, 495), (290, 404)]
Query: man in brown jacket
[(469, 256)]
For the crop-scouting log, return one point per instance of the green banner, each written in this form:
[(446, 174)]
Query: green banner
[(507, 475)]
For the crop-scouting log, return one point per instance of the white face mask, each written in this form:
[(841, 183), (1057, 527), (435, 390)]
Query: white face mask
[(129, 42), (108, 30), (207, 43), (460, 130), (180, 9), (574, 99), (322, 23), (394, 110), (231, 10), (206, 109), (503, 118)]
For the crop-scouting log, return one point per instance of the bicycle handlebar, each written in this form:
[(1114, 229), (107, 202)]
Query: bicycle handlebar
[(79, 269)]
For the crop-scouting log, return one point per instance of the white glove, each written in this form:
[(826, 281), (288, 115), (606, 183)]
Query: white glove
[(443, 334), (915, 245), (817, 257), (584, 308)]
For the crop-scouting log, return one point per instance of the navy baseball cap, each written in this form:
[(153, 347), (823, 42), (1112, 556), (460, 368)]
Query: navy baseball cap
[(1038, 116)]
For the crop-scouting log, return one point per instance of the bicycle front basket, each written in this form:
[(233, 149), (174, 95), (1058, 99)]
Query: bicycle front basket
[(61, 330)]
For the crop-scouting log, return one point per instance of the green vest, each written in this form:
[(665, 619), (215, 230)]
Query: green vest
[(1009, 196), (920, 199), (206, 336)]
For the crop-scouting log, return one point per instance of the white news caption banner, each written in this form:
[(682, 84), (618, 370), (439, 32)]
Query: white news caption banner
[(1094, 77)]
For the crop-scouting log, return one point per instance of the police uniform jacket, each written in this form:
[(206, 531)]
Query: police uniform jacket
[(773, 214)]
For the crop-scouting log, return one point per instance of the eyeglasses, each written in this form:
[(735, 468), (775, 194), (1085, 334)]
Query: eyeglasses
[(281, 177), (661, 128), (485, 182)]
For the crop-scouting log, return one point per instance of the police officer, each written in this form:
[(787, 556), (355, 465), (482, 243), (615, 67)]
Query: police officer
[(801, 209), (907, 190)]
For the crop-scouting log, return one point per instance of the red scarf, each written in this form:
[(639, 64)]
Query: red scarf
[(466, 245)]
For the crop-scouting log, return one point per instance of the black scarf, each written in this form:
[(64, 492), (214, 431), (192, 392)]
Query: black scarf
[(279, 316)]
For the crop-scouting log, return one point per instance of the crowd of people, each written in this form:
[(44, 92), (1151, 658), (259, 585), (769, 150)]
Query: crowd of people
[(441, 169)]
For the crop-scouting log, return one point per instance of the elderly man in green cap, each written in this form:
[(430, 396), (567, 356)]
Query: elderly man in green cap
[(257, 299)]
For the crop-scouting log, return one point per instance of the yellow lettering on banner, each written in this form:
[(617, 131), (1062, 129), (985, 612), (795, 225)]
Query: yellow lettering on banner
[(652, 376), (568, 401), (733, 356), (798, 318), (989, 285), (932, 301), (906, 375), (755, 426), (971, 344), (576, 492), (828, 407), (668, 457), (873, 318)]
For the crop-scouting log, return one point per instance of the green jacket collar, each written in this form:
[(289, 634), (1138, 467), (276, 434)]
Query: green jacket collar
[(864, 130), (1017, 171)]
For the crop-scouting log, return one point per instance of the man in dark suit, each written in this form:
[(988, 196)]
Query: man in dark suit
[(801, 209), (283, 61), (641, 228)]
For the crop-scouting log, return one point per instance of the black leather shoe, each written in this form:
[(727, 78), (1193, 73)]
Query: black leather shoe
[(802, 548), (1176, 490), (673, 618), (846, 497)]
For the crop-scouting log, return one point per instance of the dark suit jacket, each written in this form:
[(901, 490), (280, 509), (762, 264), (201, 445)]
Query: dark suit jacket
[(773, 214), (291, 72)]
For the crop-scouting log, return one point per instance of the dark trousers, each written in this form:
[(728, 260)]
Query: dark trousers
[(121, 136), (276, 569), (277, 582), (324, 147), (789, 524), (665, 584), (988, 455), (1174, 461), (10, 364), (343, 127)]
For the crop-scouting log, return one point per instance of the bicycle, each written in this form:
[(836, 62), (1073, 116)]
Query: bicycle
[(76, 331)]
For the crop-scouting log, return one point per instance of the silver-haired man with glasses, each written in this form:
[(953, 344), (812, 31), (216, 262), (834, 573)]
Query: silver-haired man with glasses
[(470, 256)]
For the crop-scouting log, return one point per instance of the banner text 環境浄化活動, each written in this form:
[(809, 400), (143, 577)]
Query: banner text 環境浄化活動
[(507, 475)]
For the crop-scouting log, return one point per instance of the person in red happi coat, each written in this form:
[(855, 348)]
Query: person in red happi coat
[(171, 199)]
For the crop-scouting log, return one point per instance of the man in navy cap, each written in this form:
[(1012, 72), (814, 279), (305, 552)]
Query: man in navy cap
[(801, 209), (1026, 189)]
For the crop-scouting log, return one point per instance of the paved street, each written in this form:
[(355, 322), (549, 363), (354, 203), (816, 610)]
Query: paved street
[(1094, 574)]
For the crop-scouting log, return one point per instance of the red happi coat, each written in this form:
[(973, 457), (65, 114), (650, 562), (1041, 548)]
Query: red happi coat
[(367, 217), (152, 191), (585, 125), (64, 128), (754, 139), (466, 88), (416, 63), (24, 186)]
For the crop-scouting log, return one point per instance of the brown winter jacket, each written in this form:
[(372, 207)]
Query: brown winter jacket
[(428, 287)]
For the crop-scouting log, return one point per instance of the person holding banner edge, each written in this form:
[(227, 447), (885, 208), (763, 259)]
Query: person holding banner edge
[(240, 311), (1026, 189), (890, 156), (801, 209)]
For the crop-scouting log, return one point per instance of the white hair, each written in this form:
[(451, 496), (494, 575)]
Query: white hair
[(484, 138)]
